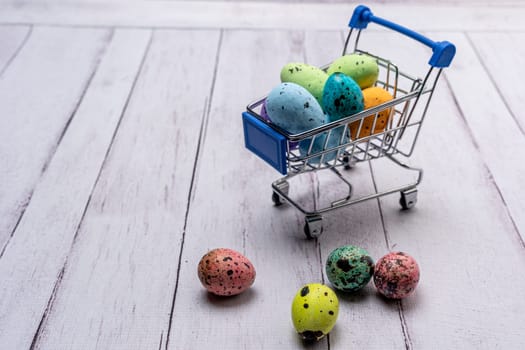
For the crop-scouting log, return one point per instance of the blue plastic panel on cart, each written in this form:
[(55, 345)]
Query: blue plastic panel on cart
[(265, 142)]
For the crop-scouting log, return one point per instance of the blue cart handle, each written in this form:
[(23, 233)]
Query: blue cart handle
[(442, 51)]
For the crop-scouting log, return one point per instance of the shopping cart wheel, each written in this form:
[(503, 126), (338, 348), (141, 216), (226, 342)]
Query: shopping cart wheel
[(348, 164), (284, 187), (276, 199), (313, 226), (408, 198)]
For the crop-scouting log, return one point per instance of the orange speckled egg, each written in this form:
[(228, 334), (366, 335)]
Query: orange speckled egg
[(224, 271), (373, 96)]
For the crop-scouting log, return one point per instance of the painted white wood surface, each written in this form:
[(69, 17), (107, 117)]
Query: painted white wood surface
[(503, 56), (231, 207), (50, 222), (13, 39), (496, 132), (427, 2), (39, 93), (457, 232), (150, 172), (135, 222), (220, 14), (359, 225)]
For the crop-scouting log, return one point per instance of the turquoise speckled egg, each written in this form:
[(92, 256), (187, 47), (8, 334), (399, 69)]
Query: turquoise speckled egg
[(335, 138), (293, 108), (342, 97), (349, 268)]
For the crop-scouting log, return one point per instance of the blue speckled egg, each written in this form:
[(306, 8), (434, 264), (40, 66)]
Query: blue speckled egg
[(293, 108), (264, 115), (342, 97), (335, 138), (349, 268)]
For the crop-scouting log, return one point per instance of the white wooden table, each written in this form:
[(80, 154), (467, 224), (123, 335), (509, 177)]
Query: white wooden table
[(122, 162)]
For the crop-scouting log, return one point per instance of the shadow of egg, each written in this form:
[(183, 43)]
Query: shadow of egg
[(219, 301)]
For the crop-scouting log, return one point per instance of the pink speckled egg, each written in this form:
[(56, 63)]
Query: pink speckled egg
[(224, 271), (396, 275)]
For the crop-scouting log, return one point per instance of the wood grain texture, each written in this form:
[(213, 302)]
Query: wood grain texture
[(37, 100), (122, 163), (121, 272), (232, 208), (358, 225), (464, 241), (220, 14), (50, 222), (501, 54), (496, 131), (426, 2), (13, 39), (460, 231)]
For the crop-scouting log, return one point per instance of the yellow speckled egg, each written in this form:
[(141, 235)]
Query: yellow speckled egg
[(315, 308), (372, 96), (309, 77)]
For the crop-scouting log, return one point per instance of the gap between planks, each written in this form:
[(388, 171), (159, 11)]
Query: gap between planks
[(37, 227), (191, 191)]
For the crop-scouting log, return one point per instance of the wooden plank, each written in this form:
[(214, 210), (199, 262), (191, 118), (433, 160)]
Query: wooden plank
[(501, 143), (503, 59), (13, 39), (121, 272), (428, 2), (37, 100), (460, 231), (33, 264), (358, 225), (212, 14), (231, 207), (369, 2)]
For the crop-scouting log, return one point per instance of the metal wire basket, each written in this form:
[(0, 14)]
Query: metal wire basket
[(386, 130)]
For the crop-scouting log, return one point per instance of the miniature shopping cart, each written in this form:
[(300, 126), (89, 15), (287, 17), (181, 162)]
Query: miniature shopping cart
[(406, 110)]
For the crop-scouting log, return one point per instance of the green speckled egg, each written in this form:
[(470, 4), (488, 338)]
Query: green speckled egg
[(362, 68), (349, 268), (309, 77)]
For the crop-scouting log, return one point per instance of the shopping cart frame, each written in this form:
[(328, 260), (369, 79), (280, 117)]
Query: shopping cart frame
[(407, 112)]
